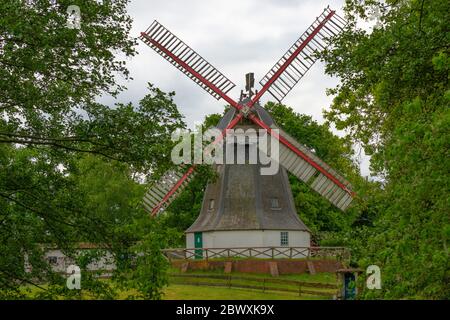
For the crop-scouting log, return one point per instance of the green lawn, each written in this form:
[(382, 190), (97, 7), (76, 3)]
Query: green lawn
[(187, 292), (323, 277), (191, 292), (254, 280)]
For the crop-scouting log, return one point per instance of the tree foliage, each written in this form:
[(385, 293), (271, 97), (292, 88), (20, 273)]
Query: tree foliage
[(394, 100), (51, 77)]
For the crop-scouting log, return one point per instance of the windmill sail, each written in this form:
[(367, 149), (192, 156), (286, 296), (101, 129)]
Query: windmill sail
[(183, 57), (300, 57), (161, 194), (309, 168)]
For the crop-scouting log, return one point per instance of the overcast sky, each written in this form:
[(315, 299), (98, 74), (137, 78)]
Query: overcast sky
[(235, 36)]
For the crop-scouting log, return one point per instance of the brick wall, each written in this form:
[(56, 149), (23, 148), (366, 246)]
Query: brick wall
[(285, 266)]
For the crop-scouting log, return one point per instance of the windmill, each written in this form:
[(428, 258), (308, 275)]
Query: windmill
[(242, 204)]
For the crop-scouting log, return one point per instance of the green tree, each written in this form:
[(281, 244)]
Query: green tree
[(112, 195), (394, 100), (145, 270), (50, 79)]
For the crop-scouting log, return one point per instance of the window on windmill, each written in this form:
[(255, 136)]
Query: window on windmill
[(211, 204), (284, 238), (274, 204)]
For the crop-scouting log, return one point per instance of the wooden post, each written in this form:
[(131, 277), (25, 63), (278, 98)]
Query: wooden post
[(264, 285), (299, 289)]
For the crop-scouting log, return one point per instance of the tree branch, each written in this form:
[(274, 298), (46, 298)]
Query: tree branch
[(69, 138), (421, 13), (57, 145), (14, 276)]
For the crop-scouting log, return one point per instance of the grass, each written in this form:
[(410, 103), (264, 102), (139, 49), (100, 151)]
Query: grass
[(192, 292), (275, 288), (188, 292), (257, 280), (186, 288), (323, 277)]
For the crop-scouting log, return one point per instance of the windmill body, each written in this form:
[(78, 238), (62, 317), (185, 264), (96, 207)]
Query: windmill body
[(244, 208)]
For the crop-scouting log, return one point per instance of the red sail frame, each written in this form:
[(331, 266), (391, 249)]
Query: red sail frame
[(291, 58)]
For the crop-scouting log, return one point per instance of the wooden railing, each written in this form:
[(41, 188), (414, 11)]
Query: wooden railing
[(338, 253), (256, 283)]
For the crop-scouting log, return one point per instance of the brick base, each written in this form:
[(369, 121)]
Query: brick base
[(285, 266)]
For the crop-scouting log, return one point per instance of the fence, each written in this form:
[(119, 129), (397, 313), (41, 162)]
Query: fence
[(257, 283), (338, 253)]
